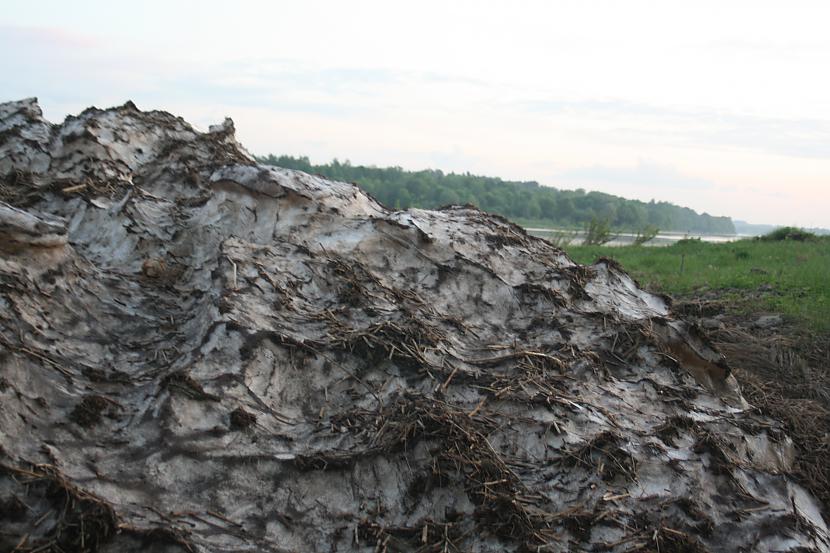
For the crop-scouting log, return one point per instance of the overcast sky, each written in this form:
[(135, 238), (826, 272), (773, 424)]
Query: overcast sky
[(720, 106)]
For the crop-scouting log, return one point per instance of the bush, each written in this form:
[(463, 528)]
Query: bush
[(649, 232), (789, 233), (597, 232), (692, 243)]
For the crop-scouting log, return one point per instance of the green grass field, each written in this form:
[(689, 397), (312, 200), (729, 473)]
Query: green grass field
[(787, 277)]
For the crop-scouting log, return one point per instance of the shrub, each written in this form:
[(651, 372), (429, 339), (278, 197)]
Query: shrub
[(597, 232), (789, 233), (649, 232), (694, 243)]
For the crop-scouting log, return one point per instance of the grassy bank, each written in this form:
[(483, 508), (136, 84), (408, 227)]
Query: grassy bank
[(787, 277)]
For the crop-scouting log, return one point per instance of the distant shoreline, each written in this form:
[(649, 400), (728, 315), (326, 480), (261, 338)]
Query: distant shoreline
[(627, 238)]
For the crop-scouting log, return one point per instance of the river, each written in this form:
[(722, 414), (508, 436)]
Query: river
[(627, 238)]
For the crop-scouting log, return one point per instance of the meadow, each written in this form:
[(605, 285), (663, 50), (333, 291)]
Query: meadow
[(789, 277)]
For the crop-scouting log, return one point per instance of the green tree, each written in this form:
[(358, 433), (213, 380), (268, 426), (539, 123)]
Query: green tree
[(401, 189)]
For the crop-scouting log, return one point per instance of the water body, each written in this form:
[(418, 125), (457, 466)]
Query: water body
[(627, 238)]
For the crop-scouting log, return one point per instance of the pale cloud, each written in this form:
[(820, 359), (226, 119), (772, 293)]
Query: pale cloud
[(45, 36), (723, 114), (798, 137), (645, 174)]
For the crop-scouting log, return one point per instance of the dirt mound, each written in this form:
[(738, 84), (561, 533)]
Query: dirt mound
[(202, 354)]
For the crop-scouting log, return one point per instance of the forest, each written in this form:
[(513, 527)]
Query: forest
[(527, 203)]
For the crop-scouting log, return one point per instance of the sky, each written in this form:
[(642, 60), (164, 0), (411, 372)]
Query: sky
[(723, 107)]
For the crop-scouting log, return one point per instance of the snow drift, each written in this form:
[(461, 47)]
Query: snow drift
[(199, 353)]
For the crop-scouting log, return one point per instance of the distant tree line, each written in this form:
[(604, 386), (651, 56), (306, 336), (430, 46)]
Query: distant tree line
[(526, 202)]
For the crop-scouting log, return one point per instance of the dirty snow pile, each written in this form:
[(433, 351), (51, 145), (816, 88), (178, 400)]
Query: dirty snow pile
[(200, 353)]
